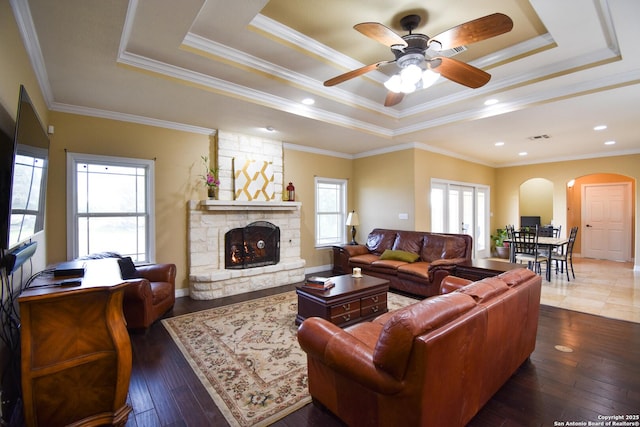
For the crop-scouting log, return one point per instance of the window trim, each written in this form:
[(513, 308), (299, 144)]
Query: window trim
[(72, 187), (343, 183)]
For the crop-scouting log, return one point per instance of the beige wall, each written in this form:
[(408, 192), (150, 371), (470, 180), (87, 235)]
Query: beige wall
[(177, 169), (384, 187), (301, 168)]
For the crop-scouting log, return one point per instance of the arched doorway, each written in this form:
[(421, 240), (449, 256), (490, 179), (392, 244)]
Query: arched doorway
[(602, 207), (536, 200)]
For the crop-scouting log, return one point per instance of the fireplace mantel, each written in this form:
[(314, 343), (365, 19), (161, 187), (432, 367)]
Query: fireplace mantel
[(235, 205)]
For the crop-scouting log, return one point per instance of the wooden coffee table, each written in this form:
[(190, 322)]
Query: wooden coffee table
[(351, 300)]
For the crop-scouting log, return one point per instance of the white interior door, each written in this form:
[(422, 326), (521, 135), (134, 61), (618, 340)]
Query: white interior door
[(606, 220)]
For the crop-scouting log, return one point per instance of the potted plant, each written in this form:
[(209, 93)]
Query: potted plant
[(502, 248), (210, 177)]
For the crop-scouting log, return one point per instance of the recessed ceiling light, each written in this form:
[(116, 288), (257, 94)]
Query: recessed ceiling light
[(609, 143), (499, 144), (308, 101), (492, 101), (270, 129), (600, 127), (522, 153)]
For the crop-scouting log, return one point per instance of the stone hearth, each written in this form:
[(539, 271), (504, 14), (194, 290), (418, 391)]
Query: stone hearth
[(209, 220)]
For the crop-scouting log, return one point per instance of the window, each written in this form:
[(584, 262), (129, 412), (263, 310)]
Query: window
[(461, 208), (110, 206), (331, 206), (27, 204)]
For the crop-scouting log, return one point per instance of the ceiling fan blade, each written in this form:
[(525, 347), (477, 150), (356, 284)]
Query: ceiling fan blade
[(393, 99), (355, 73), (461, 72), (474, 31), (380, 33)]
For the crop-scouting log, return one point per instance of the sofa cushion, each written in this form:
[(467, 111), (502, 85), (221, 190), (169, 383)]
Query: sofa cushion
[(440, 246), (418, 269), (388, 266), (399, 255), (409, 241), (380, 239), (365, 259), (396, 339)]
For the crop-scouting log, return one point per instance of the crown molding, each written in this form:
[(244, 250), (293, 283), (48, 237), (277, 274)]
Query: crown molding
[(131, 118), (31, 42), (297, 147)]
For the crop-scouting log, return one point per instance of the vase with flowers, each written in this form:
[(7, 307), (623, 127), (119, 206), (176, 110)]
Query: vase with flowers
[(211, 180)]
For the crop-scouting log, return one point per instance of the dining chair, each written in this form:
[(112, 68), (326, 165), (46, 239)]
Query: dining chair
[(564, 258), (510, 229), (526, 249)]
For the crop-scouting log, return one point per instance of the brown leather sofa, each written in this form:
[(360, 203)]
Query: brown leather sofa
[(150, 295), (433, 363), (438, 253)]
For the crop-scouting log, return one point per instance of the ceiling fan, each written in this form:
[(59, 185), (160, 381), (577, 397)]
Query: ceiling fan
[(411, 50)]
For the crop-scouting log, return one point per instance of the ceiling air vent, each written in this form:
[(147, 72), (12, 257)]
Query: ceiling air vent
[(539, 137)]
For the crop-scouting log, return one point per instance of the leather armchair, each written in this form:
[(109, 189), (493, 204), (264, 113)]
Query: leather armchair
[(147, 298)]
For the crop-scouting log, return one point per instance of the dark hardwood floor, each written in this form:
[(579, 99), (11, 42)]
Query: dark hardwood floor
[(601, 377)]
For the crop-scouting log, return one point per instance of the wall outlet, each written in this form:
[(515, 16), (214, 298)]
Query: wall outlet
[(403, 216)]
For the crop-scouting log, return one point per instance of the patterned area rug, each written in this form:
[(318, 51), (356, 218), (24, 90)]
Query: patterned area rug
[(248, 358)]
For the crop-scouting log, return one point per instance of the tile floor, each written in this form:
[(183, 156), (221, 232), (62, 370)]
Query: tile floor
[(606, 288)]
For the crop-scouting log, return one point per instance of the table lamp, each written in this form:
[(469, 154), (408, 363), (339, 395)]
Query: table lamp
[(352, 221)]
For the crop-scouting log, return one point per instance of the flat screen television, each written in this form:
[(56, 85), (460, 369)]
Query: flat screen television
[(23, 176), (529, 221)]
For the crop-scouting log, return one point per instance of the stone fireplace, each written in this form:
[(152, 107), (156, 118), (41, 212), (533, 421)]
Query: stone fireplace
[(209, 223)]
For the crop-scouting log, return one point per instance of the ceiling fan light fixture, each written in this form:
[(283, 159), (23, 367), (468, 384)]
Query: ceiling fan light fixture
[(394, 84), (428, 78), (411, 74), (407, 87)]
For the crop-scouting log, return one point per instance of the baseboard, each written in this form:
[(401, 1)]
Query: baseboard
[(318, 269)]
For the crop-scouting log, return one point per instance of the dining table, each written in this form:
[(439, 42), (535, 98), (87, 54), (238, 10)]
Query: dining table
[(545, 245)]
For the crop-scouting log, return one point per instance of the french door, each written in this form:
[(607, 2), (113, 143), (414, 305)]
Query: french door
[(463, 209)]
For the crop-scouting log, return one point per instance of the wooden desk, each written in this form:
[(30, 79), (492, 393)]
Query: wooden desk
[(76, 353)]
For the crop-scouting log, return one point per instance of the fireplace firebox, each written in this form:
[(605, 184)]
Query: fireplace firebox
[(255, 245)]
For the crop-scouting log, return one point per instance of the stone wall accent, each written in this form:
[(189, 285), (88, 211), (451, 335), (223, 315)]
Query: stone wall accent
[(233, 145)]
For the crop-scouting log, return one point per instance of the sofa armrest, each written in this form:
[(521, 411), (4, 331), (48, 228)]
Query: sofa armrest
[(138, 289), (443, 266), (344, 353), (355, 250), (158, 272), (452, 283)]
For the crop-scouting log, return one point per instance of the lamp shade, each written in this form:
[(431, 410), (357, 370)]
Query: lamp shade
[(352, 219)]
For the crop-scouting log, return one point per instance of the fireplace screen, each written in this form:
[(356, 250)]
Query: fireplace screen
[(255, 245)]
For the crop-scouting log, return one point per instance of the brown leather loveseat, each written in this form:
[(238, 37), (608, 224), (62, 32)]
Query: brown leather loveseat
[(433, 363), (412, 261)]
